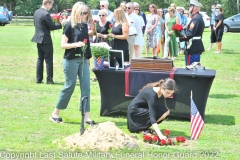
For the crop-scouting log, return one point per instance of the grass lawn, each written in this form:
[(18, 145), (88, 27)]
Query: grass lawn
[(25, 106)]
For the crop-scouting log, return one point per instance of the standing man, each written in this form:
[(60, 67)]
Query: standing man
[(43, 25), (194, 46), (134, 27), (104, 5)]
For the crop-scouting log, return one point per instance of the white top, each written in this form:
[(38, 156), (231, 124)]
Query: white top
[(134, 23)]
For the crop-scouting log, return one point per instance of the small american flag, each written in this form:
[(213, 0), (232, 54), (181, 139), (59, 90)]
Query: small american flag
[(197, 122)]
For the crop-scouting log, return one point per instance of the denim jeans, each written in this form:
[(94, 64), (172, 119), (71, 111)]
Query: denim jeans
[(72, 69)]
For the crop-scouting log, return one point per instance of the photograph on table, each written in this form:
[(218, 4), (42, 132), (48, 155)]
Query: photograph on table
[(116, 59)]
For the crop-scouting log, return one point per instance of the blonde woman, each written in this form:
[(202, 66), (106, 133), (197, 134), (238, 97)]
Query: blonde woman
[(171, 38), (75, 62), (120, 32)]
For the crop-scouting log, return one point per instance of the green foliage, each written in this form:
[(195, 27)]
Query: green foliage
[(99, 51)]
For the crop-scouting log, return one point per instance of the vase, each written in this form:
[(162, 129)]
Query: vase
[(98, 62)]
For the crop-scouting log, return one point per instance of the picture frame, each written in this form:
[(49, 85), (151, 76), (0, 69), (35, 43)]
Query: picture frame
[(118, 54)]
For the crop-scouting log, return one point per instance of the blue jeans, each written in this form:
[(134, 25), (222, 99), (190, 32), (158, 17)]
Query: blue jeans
[(72, 69)]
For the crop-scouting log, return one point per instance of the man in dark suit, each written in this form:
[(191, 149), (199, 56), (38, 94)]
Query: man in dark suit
[(43, 25)]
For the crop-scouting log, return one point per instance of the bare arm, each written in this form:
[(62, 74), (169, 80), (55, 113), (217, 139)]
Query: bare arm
[(66, 45), (157, 130), (125, 30)]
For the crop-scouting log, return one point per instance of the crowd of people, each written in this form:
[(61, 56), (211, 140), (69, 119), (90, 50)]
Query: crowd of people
[(123, 29)]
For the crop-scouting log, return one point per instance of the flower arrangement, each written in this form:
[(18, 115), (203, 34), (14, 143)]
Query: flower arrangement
[(83, 52), (154, 139), (99, 51), (110, 31), (177, 28)]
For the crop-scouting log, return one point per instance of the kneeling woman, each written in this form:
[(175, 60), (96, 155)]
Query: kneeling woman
[(143, 111)]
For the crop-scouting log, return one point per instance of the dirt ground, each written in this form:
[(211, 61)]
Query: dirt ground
[(107, 136)]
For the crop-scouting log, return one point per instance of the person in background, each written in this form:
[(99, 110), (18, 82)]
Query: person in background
[(123, 5), (212, 37), (219, 27), (43, 25), (120, 33), (193, 34), (143, 112), (134, 29), (180, 10), (104, 5), (160, 31), (151, 31), (102, 27), (91, 27), (171, 38), (75, 41), (139, 40), (143, 16)]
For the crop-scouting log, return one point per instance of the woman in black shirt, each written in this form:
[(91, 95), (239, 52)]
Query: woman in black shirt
[(219, 27), (143, 112)]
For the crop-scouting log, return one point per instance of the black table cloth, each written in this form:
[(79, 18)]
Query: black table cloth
[(113, 99)]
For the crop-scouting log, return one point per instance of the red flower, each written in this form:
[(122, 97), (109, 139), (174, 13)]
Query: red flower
[(180, 139), (95, 21), (85, 40), (147, 138), (169, 141), (162, 142), (177, 28), (110, 25), (167, 132), (156, 139)]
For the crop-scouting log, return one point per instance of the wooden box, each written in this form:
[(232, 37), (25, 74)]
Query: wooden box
[(151, 64)]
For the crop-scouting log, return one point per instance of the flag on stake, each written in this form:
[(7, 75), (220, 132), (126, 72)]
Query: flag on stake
[(197, 122)]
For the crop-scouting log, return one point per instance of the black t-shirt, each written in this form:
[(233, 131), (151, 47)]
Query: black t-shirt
[(76, 34), (103, 29), (218, 18)]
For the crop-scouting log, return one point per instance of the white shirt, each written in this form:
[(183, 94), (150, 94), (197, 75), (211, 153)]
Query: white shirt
[(134, 23)]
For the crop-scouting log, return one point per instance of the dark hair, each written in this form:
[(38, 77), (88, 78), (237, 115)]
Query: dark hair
[(167, 83)]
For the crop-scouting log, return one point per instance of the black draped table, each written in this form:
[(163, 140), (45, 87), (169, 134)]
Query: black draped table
[(112, 85)]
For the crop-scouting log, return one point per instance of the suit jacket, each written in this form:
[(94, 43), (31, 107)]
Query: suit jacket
[(43, 25)]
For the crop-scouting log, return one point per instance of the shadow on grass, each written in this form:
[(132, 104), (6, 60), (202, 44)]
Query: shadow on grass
[(219, 119), (221, 96), (229, 51)]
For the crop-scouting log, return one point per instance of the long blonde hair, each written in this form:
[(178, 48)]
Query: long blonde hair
[(120, 16), (77, 9)]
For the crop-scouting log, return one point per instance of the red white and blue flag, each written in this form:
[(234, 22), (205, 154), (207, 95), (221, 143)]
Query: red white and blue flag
[(197, 122)]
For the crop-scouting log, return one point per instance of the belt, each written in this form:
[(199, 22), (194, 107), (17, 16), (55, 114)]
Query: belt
[(78, 55)]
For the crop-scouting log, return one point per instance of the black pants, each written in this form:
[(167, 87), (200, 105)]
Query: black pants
[(45, 52)]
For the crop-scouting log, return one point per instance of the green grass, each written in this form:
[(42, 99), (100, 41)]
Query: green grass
[(25, 106)]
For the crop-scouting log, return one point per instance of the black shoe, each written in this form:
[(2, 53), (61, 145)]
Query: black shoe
[(51, 82), (39, 82), (155, 57)]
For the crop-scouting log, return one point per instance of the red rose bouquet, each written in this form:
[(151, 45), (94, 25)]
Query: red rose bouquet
[(177, 28), (154, 139)]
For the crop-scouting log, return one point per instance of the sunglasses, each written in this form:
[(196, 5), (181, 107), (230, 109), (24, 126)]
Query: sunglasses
[(190, 5), (151, 7), (101, 5), (101, 15), (128, 7), (84, 13), (217, 8)]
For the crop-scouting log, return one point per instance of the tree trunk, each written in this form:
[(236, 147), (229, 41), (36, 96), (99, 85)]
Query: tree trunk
[(238, 5)]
